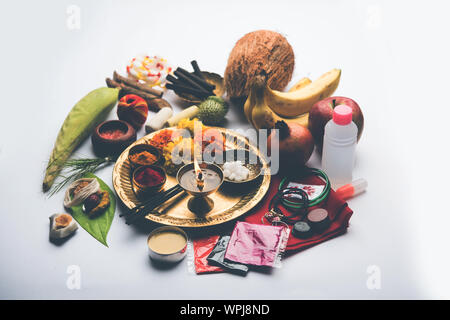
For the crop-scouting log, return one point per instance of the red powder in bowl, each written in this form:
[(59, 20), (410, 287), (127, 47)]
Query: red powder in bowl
[(112, 134), (148, 177)]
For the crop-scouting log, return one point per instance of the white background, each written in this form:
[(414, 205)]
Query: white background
[(394, 60)]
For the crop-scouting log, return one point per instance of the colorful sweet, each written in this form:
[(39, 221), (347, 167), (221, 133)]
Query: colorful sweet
[(133, 109), (62, 225), (151, 70)]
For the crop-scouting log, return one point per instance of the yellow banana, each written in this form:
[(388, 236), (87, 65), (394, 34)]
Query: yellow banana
[(301, 120), (248, 107), (303, 82), (260, 115), (250, 103), (295, 103)]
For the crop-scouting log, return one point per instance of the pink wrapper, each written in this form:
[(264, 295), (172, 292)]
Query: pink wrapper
[(257, 244)]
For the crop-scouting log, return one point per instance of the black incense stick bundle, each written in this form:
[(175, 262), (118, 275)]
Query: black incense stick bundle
[(196, 79), (181, 88), (197, 70), (152, 203), (193, 84)]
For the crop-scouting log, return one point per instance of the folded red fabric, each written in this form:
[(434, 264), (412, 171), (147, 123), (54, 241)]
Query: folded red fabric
[(338, 211)]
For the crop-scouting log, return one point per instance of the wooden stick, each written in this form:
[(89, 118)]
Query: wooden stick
[(134, 84), (124, 90)]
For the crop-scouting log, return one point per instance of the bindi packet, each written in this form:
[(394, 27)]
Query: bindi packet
[(217, 256), (257, 244)]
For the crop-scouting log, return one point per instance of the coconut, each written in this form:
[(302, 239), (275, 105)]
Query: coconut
[(259, 52)]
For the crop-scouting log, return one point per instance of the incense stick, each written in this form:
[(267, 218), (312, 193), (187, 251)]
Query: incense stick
[(153, 203)]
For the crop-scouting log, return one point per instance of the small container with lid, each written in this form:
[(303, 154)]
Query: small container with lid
[(339, 144)]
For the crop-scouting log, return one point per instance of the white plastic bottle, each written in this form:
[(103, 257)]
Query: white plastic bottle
[(339, 143)]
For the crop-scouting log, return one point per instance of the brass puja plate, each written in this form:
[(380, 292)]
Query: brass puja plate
[(230, 201)]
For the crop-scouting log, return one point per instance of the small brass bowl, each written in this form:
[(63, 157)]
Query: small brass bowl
[(200, 203), (211, 78), (144, 147), (142, 190)]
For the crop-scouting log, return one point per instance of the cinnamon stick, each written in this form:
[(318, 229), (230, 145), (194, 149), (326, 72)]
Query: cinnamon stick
[(134, 84), (112, 84), (124, 90)]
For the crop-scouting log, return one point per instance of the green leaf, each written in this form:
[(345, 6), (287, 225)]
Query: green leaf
[(97, 227)]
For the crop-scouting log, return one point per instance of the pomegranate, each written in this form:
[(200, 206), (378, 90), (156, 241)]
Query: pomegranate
[(296, 145)]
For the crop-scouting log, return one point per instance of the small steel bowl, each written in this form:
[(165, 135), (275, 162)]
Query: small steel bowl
[(143, 190), (167, 257), (144, 147)]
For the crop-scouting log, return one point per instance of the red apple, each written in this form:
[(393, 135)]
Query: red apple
[(322, 112)]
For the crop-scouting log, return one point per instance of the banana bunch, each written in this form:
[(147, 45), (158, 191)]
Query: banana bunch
[(264, 106)]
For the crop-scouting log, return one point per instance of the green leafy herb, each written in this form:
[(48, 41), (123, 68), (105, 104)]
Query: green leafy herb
[(97, 227)]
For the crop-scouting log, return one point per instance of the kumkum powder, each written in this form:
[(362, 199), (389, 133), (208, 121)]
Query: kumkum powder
[(112, 134), (148, 177)]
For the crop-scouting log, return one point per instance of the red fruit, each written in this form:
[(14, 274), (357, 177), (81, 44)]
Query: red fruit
[(296, 145), (322, 112), (132, 109)]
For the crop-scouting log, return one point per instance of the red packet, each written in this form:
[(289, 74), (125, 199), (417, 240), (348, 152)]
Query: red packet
[(201, 248)]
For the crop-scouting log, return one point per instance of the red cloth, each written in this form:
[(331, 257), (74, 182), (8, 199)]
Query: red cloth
[(338, 211)]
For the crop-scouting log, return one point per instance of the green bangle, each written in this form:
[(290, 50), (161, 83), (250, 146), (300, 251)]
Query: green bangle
[(304, 173)]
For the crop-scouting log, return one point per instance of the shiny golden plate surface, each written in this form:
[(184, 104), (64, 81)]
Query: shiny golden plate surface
[(230, 201)]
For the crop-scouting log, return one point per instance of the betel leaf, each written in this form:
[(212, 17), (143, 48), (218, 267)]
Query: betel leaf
[(97, 227)]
